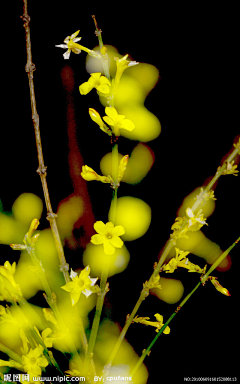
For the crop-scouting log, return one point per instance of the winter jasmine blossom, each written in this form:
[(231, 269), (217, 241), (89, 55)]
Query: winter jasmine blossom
[(108, 235), (80, 284)]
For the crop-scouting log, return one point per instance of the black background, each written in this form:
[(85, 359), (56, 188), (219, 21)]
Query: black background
[(195, 50)]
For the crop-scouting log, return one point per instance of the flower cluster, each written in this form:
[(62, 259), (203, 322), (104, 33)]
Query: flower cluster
[(113, 119), (32, 361), (180, 260), (89, 174), (205, 195), (190, 222), (231, 169)]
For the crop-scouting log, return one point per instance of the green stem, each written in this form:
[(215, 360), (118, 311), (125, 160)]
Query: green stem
[(169, 245), (104, 276), (96, 321), (183, 302), (14, 356), (101, 45)]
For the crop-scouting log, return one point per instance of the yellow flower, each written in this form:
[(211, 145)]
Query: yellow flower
[(9, 289), (205, 195), (237, 145), (231, 169), (108, 235), (122, 64), (195, 222), (101, 83), (117, 121), (70, 44), (158, 324), (80, 284), (89, 174), (34, 361), (160, 321), (174, 262)]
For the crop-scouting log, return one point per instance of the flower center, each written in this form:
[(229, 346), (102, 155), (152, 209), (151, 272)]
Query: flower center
[(81, 283), (109, 236), (32, 360)]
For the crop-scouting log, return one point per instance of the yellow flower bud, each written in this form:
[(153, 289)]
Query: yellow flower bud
[(122, 167), (219, 287), (89, 174), (96, 117)]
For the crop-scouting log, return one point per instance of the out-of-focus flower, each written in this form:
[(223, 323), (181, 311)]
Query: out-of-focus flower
[(117, 121), (195, 222), (9, 289), (230, 169), (34, 361), (6, 316), (96, 80), (89, 174), (153, 283), (108, 235), (80, 284), (237, 145), (209, 195)]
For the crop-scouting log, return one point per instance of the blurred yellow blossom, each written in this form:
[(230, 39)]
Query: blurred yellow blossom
[(80, 284), (231, 169), (34, 361), (9, 289), (195, 222), (108, 235), (96, 80), (209, 195)]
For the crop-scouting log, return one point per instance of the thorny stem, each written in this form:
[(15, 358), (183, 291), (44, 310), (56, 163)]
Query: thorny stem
[(201, 282), (169, 245), (30, 67)]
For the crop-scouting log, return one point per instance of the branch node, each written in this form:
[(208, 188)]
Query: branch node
[(64, 266), (26, 20), (51, 215), (30, 68), (42, 170)]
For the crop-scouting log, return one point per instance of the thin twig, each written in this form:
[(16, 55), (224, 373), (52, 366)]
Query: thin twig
[(30, 68)]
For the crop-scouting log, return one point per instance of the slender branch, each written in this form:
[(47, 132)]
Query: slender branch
[(30, 67), (169, 245), (203, 280)]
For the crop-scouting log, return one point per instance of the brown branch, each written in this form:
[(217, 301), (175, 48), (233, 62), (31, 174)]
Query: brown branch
[(30, 68)]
